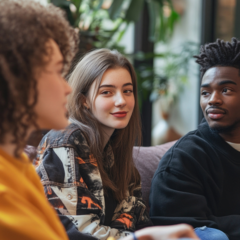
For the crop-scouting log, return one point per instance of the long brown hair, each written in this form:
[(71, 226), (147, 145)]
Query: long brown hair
[(123, 176)]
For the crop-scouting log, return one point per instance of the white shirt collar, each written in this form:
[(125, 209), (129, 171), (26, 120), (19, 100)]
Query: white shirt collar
[(235, 145)]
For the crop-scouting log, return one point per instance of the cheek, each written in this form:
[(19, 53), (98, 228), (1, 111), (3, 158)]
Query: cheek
[(131, 103), (50, 96), (102, 105), (203, 103)]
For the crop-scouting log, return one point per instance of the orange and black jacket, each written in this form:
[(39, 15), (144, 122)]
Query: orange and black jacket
[(73, 185)]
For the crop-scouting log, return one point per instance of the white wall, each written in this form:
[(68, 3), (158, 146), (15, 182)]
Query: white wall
[(184, 114)]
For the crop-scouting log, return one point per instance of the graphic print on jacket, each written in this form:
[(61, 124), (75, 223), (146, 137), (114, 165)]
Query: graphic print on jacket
[(73, 185)]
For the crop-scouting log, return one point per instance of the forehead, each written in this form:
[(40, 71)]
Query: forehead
[(116, 76), (221, 73)]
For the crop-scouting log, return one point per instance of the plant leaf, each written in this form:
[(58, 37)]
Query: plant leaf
[(134, 10), (61, 3), (115, 9), (122, 32), (99, 4), (173, 18), (153, 9)]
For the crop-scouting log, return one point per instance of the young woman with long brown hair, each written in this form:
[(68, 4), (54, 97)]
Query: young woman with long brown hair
[(87, 169)]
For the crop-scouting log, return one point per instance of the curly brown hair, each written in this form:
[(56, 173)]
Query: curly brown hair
[(26, 27)]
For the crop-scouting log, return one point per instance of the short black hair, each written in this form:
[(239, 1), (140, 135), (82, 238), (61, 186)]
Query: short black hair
[(219, 53)]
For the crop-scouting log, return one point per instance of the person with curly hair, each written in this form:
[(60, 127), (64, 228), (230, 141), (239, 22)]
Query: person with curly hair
[(36, 48), (197, 180)]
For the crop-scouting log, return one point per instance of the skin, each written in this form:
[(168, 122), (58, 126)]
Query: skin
[(114, 102), (164, 233), (52, 97), (220, 101), (53, 90)]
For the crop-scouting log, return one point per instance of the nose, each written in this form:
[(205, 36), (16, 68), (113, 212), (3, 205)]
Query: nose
[(215, 99), (120, 100), (67, 88)]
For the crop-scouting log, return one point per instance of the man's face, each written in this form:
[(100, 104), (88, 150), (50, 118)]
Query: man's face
[(220, 98)]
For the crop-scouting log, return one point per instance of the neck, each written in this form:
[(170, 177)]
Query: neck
[(106, 139), (107, 133), (231, 134), (233, 137), (9, 147)]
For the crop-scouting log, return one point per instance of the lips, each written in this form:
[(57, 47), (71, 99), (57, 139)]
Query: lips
[(119, 114), (215, 113)]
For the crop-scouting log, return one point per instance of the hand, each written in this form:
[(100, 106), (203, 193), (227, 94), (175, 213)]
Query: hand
[(165, 232)]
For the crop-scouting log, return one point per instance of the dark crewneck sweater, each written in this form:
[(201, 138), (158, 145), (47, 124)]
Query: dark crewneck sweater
[(198, 182)]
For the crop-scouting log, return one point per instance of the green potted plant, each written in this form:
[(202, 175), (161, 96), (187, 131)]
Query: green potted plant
[(102, 23)]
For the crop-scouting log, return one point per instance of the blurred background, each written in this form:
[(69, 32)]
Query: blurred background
[(159, 37)]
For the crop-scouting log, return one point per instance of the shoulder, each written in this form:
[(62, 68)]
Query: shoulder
[(190, 152), (61, 146), (72, 136)]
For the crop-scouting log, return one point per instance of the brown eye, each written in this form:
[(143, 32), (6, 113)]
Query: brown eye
[(128, 91), (226, 90), (204, 93), (105, 92)]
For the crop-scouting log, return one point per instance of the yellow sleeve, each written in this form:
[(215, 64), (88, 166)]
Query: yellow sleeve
[(21, 220)]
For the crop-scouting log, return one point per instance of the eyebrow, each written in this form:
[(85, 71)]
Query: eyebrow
[(220, 83), (112, 86)]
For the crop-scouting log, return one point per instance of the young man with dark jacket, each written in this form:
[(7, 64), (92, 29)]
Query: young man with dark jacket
[(197, 181)]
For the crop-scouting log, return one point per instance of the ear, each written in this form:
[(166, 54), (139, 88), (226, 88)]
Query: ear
[(86, 105), (83, 100)]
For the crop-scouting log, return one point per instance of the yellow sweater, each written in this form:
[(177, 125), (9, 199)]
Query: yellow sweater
[(24, 210)]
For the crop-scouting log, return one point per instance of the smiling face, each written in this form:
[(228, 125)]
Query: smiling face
[(52, 92), (220, 98), (114, 101)]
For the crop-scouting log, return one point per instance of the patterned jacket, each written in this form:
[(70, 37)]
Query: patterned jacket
[(73, 185)]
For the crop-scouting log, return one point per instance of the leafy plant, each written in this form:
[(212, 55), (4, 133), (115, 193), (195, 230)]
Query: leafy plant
[(169, 80), (104, 19), (161, 12), (93, 21)]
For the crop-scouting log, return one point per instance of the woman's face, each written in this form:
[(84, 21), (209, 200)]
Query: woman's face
[(52, 92), (114, 102)]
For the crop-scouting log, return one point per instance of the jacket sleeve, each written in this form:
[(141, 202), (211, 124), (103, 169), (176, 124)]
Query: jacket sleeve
[(73, 186), (131, 213), (180, 190)]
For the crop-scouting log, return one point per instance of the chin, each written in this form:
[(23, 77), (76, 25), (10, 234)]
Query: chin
[(120, 126), (221, 128)]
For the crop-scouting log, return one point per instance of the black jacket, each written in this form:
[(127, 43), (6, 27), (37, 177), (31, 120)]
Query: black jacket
[(198, 182)]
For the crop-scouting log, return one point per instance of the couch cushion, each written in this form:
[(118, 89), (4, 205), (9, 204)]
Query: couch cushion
[(146, 160)]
